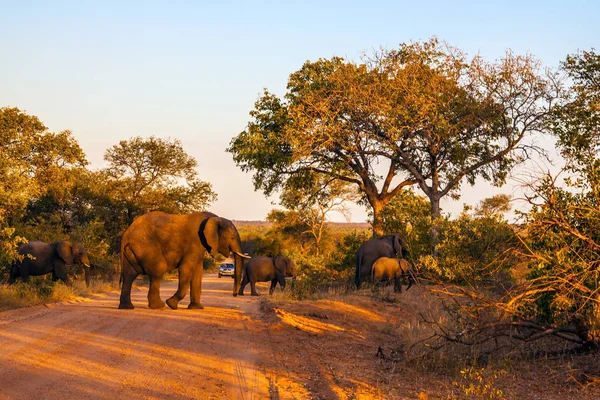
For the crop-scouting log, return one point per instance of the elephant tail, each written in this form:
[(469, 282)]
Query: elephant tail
[(122, 261), (127, 256)]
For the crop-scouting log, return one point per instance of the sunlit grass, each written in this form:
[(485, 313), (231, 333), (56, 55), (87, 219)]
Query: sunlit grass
[(41, 291)]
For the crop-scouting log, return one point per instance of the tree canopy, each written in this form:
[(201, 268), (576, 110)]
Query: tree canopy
[(421, 114), (156, 174)]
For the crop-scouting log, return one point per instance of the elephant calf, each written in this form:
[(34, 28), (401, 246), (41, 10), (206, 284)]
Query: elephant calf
[(387, 269), (265, 269)]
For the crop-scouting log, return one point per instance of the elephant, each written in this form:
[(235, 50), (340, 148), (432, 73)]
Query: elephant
[(387, 269), (41, 258), (265, 269), (157, 242), (373, 249)]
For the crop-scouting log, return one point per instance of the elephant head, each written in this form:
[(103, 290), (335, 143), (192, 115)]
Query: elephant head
[(219, 235), (74, 254), (285, 265), (398, 244), (407, 270)]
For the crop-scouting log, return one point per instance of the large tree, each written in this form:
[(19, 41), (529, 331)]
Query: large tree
[(462, 118), (33, 161), (155, 174), (326, 124), (424, 113), (33, 165)]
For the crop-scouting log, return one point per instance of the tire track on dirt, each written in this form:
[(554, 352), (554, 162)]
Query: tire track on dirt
[(47, 357), (93, 350)]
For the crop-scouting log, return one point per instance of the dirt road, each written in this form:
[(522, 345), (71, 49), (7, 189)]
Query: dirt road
[(92, 350)]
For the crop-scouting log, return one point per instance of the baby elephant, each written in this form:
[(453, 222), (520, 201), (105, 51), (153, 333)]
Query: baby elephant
[(265, 269), (386, 269)]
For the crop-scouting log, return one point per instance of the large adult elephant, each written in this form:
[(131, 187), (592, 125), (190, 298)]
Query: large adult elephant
[(41, 258), (267, 269), (371, 250), (158, 242)]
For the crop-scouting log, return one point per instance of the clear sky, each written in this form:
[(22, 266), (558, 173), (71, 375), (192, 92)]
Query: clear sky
[(110, 70)]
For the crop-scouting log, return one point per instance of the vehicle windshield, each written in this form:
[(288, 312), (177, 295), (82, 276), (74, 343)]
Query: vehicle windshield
[(226, 265)]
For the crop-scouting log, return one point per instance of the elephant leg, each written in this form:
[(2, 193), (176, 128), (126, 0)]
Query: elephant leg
[(253, 288), (185, 277), (24, 271), (128, 275), (14, 274), (397, 285), (60, 272), (272, 288), (196, 288), (281, 280), (243, 285), (154, 300)]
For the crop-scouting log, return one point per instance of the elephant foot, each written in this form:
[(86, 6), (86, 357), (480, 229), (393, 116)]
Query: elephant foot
[(195, 306), (255, 294), (240, 293), (126, 306), (173, 303), (156, 304)]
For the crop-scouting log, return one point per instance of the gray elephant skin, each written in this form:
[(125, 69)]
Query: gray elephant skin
[(41, 258), (158, 242), (373, 249), (392, 269), (267, 269)]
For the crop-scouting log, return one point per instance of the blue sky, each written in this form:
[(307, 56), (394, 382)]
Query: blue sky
[(110, 70)]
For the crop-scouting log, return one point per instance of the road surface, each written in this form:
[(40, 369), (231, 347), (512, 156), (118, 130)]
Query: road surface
[(92, 350)]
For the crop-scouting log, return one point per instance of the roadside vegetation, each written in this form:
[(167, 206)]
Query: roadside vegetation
[(395, 132)]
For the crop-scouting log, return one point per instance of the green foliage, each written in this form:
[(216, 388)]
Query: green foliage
[(146, 175), (476, 248), (409, 216), (425, 110), (561, 235), (344, 256), (473, 248), (48, 194)]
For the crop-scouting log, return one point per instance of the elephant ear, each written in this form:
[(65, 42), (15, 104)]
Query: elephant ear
[(209, 234), (65, 251), (400, 246), (280, 264)]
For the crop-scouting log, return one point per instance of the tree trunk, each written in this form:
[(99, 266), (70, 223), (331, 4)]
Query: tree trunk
[(377, 221), (435, 220)]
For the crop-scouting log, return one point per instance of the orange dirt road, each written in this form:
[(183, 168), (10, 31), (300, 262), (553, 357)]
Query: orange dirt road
[(92, 350)]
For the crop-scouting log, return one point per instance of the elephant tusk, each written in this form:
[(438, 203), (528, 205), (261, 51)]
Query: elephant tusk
[(242, 255), (87, 266)]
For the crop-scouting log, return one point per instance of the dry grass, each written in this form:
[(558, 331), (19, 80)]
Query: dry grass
[(40, 291), (346, 328)]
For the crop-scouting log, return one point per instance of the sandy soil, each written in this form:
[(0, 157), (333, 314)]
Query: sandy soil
[(240, 348), (93, 350)]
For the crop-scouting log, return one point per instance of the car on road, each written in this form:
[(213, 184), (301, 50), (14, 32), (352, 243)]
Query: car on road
[(226, 269)]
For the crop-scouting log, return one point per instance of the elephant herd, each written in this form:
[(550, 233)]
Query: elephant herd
[(377, 258), (157, 242)]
